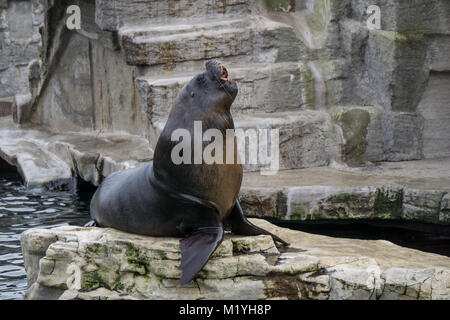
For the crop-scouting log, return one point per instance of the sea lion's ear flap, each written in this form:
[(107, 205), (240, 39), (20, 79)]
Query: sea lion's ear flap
[(196, 249)]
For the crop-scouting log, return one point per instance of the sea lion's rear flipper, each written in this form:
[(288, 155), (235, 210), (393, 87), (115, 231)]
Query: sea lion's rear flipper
[(196, 249), (240, 225)]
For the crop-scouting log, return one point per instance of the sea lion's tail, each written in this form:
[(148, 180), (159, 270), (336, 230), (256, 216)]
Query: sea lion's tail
[(196, 249)]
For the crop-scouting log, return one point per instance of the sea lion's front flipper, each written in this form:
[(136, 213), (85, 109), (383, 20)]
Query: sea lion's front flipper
[(240, 225), (196, 249)]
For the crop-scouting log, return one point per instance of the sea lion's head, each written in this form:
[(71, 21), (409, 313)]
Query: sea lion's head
[(207, 99), (212, 89)]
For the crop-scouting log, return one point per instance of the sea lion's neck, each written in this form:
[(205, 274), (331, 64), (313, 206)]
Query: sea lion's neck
[(221, 121), (189, 177)]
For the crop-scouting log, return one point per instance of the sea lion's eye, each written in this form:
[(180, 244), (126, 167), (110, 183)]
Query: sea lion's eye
[(192, 94)]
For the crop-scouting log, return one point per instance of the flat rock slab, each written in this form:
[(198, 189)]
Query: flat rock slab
[(51, 159), (37, 166), (256, 37), (110, 15), (260, 85), (409, 190), (94, 263), (431, 174)]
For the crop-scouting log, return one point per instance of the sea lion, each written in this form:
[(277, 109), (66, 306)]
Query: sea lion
[(193, 201)]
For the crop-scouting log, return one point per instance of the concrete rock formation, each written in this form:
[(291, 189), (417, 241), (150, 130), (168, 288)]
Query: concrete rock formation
[(92, 263), (403, 191), (55, 160), (22, 44), (310, 68)]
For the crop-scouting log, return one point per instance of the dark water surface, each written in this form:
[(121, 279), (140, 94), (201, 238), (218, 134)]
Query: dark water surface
[(22, 209), (420, 236)]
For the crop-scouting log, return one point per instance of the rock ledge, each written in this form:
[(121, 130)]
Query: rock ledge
[(94, 263)]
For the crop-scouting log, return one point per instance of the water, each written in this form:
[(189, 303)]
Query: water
[(21, 210), (420, 236)]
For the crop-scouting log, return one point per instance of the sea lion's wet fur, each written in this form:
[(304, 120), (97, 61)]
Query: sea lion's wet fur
[(193, 201)]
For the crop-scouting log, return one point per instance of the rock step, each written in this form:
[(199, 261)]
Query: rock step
[(37, 166), (411, 190), (111, 15), (51, 159), (307, 138), (102, 263), (256, 38), (259, 88)]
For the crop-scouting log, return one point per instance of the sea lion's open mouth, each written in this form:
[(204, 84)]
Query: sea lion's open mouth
[(217, 71), (223, 74)]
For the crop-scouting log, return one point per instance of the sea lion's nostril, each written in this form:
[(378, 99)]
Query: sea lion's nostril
[(192, 94)]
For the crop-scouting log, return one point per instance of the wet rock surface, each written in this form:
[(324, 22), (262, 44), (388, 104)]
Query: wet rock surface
[(94, 263), (54, 160)]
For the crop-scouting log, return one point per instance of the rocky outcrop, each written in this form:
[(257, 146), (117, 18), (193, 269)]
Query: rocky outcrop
[(311, 69), (56, 160), (93, 263), (329, 202), (21, 40), (405, 191), (434, 109), (408, 191), (398, 68), (113, 15), (384, 89)]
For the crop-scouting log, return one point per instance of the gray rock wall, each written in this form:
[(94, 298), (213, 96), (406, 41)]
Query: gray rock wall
[(390, 68), (435, 109), (66, 102), (21, 43), (121, 71)]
